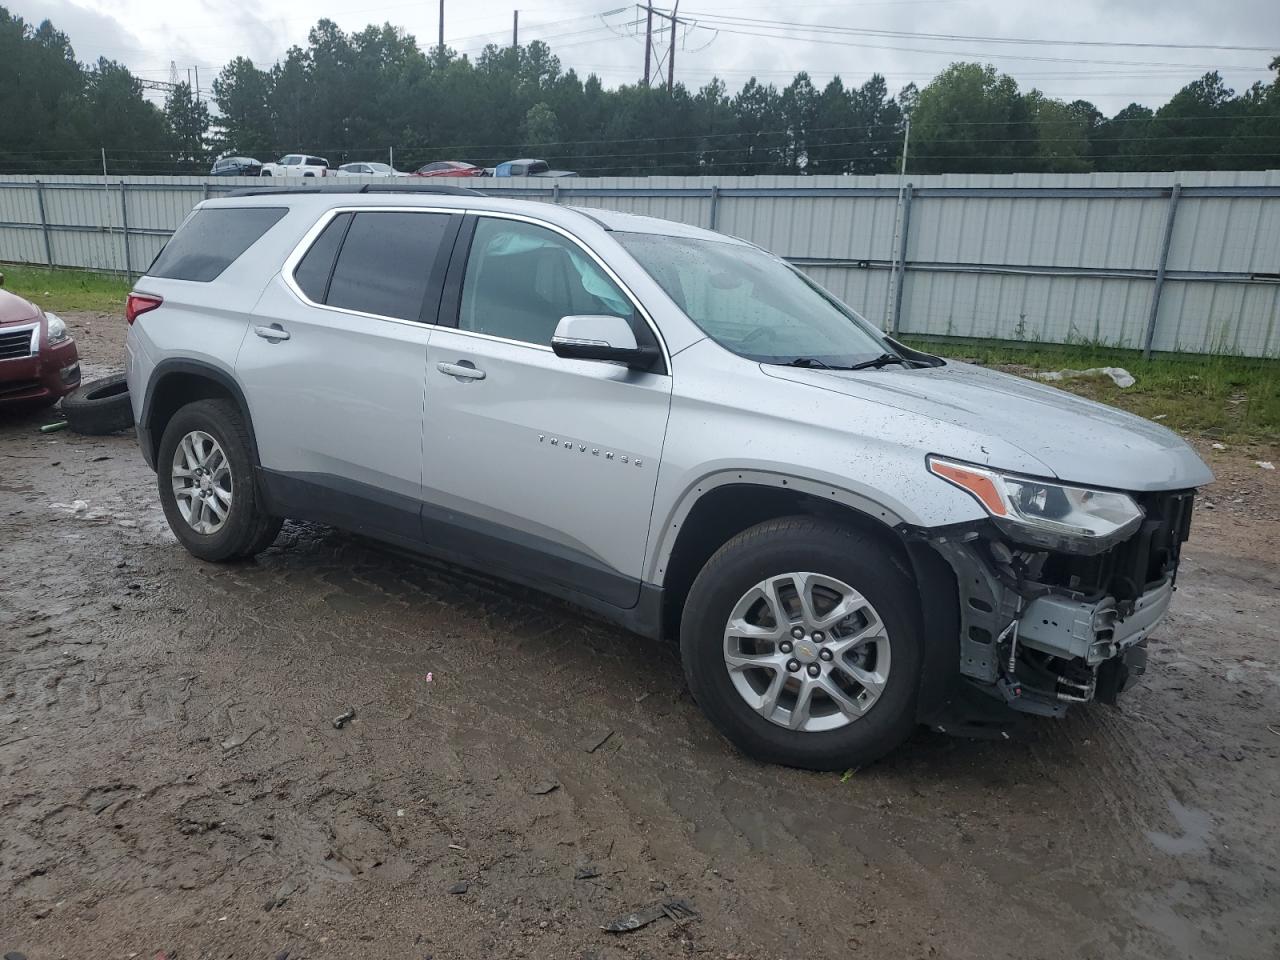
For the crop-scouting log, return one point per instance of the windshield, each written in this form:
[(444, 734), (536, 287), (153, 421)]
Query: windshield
[(755, 304)]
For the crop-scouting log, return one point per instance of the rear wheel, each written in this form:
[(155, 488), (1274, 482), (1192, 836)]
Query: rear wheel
[(801, 643), (205, 474)]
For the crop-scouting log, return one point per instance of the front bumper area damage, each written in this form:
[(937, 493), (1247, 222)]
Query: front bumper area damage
[(1040, 631)]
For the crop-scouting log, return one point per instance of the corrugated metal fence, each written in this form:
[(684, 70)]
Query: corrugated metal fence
[(1184, 262)]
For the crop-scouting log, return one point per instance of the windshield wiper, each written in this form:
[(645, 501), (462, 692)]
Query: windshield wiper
[(881, 361), (810, 362)]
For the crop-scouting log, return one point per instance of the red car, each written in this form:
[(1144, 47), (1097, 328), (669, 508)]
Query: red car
[(449, 168), (38, 360)]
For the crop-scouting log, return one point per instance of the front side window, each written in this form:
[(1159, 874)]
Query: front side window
[(521, 279), (291, 161), (753, 303), (381, 262)]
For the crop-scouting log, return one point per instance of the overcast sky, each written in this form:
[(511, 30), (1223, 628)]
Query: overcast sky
[(604, 38)]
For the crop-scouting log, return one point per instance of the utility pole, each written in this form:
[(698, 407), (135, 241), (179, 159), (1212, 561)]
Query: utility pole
[(671, 54), (441, 44), (894, 278), (675, 22), (648, 41), (515, 28), (197, 83)]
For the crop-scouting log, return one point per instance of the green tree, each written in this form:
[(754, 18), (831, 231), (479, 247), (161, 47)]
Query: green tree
[(971, 119), (540, 128), (188, 122), (241, 92)]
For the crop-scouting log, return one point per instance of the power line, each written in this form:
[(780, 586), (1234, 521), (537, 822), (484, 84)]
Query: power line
[(967, 38), (969, 53)]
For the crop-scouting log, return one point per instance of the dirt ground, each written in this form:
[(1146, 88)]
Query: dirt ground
[(517, 774)]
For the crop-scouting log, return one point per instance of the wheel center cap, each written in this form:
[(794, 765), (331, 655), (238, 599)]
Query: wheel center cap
[(206, 484), (806, 651)]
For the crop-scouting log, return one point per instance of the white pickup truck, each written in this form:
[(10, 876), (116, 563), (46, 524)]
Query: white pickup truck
[(297, 165)]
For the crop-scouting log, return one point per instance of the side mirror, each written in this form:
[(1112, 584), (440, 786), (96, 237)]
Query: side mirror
[(600, 338)]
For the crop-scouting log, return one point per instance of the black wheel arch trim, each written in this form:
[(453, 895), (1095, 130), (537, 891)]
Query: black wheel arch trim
[(179, 366)]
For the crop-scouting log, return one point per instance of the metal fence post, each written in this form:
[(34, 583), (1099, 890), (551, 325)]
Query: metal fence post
[(124, 228), (555, 192), (902, 259), (44, 223), (1160, 269), (715, 203), (206, 189)]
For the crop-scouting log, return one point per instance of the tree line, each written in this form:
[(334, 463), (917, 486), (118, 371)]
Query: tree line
[(351, 96)]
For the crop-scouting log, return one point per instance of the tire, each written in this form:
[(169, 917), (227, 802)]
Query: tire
[(838, 555), (100, 406), (246, 528)]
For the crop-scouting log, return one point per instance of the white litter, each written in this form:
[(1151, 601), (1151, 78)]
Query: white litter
[(1121, 377), (1219, 446), (1265, 464)]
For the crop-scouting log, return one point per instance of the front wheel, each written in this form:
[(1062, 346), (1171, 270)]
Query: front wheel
[(801, 643), (205, 473)]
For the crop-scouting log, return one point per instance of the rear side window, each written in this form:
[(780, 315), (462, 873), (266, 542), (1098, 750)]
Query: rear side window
[(212, 240), (316, 162), (312, 274), (385, 264)]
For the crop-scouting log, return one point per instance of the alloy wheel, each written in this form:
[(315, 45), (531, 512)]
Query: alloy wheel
[(202, 483), (807, 652)]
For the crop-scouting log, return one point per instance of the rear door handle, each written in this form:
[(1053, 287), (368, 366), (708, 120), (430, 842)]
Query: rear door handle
[(275, 333), (462, 370)]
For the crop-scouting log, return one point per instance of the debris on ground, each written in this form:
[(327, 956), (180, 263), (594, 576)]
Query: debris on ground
[(593, 742), (460, 888), (1219, 446), (1265, 464), (54, 427), (232, 742), (543, 787), (1119, 375), (286, 890), (587, 871), (674, 908), (341, 719)]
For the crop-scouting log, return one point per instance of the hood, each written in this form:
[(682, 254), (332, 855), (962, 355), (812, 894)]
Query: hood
[(1079, 440), (13, 309)]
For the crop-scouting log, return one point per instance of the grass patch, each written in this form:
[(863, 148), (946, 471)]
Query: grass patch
[(67, 289), (1223, 397)]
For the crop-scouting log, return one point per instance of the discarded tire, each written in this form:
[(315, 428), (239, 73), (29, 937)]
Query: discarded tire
[(99, 406)]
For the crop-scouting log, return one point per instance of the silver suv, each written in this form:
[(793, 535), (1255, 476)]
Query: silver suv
[(672, 428)]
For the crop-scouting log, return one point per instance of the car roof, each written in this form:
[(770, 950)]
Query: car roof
[(319, 200)]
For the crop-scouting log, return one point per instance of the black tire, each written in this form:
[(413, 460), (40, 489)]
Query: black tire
[(804, 544), (248, 528), (99, 407)]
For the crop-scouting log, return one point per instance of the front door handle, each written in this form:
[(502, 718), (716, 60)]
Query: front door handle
[(462, 370), (275, 333)]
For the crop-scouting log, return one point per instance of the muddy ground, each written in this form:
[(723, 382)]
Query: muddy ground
[(172, 783)]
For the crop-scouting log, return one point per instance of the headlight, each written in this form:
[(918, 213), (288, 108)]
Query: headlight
[(1046, 514), (57, 328)]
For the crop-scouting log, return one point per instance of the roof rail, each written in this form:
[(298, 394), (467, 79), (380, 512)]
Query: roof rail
[(357, 188)]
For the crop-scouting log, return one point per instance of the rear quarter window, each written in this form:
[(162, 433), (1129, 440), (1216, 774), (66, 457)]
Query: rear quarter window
[(211, 240)]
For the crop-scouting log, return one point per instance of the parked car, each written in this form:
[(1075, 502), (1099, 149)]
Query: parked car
[(38, 360), (449, 168), (674, 429), (529, 168), (363, 169), (236, 167), (297, 165)]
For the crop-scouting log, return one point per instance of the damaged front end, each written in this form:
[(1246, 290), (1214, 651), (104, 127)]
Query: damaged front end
[(1046, 622)]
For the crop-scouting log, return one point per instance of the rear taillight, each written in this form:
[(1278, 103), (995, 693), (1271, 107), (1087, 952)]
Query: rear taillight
[(138, 304)]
